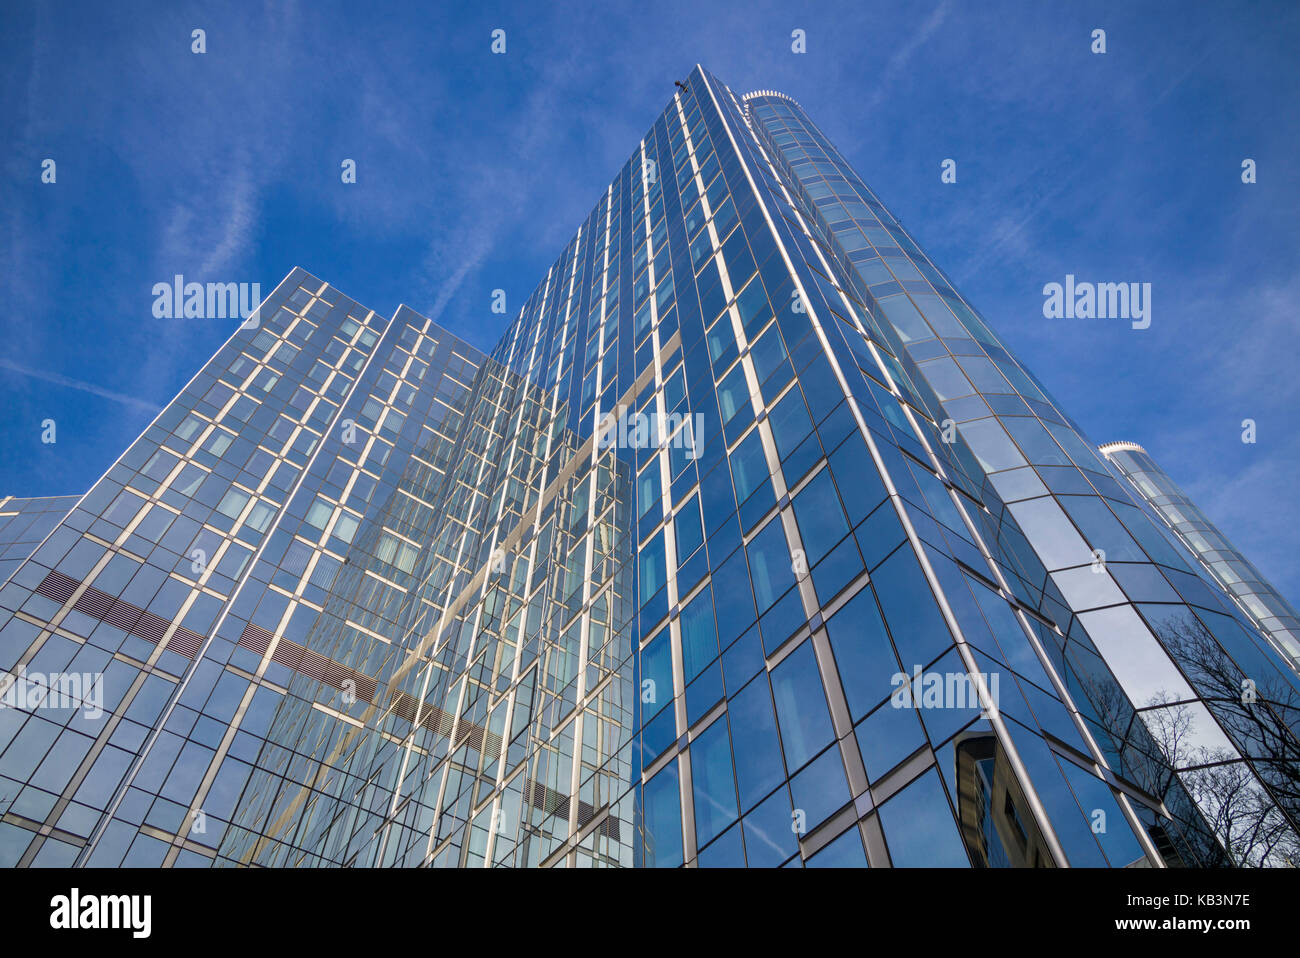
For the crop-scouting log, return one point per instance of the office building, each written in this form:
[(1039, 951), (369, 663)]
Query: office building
[(750, 543)]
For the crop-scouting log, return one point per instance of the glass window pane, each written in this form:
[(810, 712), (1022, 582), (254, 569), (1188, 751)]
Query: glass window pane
[(663, 819), (755, 742), (920, 829), (801, 706), (713, 784)]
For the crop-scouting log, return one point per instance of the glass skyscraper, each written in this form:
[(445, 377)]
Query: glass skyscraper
[(749, 544), (1262, 603)]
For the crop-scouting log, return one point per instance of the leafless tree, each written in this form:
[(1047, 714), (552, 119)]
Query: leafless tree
[(1237, 808), (1252, 814)]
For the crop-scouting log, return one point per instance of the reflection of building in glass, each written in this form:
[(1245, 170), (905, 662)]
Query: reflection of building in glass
[(363, 595), (995, 822), (1231, 570)]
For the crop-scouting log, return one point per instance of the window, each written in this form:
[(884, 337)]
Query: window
[(689, 529), (653, 568), (699, 635), (770, 565), (749, 466), (756, 744), (714, 787), (821, 520), (233, 503), (346, 527), (919, 827), (319, 514), (911, 610), (260, 516), (863, 653), (801, 706), (189, 427), (663, 819), (218, 442)]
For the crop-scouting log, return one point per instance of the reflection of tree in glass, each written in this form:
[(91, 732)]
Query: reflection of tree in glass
[(1132, 752), (1249, 814), (1236, 807)]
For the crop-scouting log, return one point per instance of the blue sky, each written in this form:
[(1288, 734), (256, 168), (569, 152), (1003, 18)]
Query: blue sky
[(474, 169)]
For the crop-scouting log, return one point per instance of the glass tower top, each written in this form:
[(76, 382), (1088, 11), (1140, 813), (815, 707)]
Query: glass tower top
[(1226, 566)]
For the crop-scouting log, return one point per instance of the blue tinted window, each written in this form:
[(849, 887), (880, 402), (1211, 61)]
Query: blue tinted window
[(657, 668), (699, 637), (711, 779), (733, 394), (820, 789), (749, 466), (769, 565), (790, 422), (727, 852), (844, 852), (735, 600), (887, 737), (863, 654), (755, 742), (821, 520), (911, 610), (663, 819), (648, 489), (769, 832), (1101, 528), (919, 827), (801, 706), (653, 569), (689, 529)]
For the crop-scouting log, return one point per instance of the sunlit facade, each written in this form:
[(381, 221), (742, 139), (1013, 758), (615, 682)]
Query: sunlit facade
[(853, 590)]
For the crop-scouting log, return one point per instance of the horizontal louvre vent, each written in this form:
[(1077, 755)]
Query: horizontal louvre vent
[(126, 616)]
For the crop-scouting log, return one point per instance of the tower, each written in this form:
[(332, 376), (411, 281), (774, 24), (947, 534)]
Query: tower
[(749, 543)]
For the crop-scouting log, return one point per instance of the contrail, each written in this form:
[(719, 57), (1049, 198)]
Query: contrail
[(83, 386)]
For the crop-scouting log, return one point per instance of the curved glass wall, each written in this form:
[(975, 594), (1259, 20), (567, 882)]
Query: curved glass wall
[(1231, 570)]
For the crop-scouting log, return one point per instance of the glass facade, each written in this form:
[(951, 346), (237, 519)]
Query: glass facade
[(1233, 572), (749, 544), (24, 523)]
